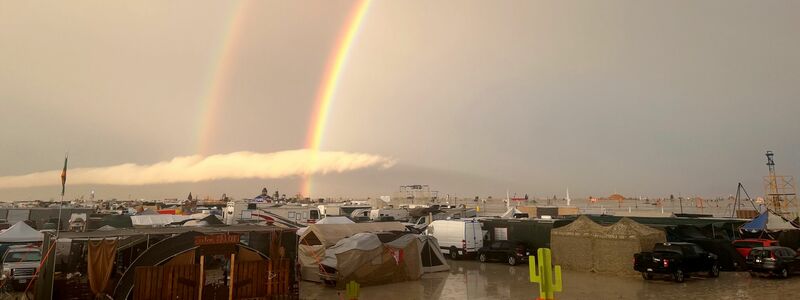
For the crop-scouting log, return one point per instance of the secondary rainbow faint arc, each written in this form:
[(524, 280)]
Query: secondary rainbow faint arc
[(330, 81), (220, 76)]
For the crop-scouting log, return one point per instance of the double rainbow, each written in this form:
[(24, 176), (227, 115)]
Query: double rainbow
[(218, 83), (330, 81), (218, 80)]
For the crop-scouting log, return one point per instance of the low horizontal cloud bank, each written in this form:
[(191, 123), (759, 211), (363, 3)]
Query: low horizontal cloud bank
[(196, 168)]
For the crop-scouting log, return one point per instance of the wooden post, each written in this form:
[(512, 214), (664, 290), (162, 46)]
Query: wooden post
[(202, 278), (232, 269), (270, 282)]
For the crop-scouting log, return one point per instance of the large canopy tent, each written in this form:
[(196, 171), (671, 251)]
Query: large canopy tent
[(20, 233), (319, 237), (587, 246)]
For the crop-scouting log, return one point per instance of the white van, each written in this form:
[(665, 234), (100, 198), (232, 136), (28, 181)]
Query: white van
[(457, 238)]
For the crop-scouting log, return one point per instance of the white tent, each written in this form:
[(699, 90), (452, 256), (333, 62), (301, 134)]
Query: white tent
[(328, 220), (776, 222), (511, 212), (106, 228), (20, 233)]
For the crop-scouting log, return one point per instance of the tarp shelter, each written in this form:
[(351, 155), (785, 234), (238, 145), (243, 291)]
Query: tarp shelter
[(20, 233), (767, 221), (319, 237), (100, 264), (584, 245), (157, 220), (328, 220), (365, 259)]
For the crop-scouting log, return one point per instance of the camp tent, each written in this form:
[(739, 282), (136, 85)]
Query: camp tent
[(328, 220), (431, 255), (768, 221), (318, 237), (20, 233), (587, 246), (365, 259)]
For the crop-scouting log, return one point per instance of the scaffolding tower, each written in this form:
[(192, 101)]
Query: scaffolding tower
[(780, 191)]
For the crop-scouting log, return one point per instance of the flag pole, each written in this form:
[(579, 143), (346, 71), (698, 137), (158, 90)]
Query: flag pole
[(58, 225), (63, 188)]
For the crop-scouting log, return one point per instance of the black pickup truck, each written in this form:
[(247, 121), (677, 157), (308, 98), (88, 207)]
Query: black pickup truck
[(677, 260)]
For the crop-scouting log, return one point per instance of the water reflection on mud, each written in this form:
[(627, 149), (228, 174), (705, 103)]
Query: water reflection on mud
[(473, 280)]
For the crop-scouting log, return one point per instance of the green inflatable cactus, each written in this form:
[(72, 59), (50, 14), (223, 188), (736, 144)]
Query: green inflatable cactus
[(542, 272), (352, 290)]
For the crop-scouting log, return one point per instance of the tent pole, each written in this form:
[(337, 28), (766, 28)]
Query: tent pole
[(202, 277)]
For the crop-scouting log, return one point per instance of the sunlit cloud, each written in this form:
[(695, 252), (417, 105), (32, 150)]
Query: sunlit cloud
[(197, 168)]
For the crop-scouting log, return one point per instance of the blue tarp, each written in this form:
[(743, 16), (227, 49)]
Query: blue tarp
[(758, 223)]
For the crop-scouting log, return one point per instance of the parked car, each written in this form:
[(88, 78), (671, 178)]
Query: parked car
[(678, 260), (457, 238), (510, 252), (19, 265), (773, 260), (743, 246)]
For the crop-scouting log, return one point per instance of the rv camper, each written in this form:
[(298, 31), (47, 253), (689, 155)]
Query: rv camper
[(397, 214), (240, 211)]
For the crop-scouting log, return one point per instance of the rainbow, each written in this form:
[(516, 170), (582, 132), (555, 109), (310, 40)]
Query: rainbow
[(218, 81), (330, 81)]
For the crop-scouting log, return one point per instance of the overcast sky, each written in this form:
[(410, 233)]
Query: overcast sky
[(471, 97)]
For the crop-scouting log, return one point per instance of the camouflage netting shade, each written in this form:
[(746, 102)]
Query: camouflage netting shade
[(585, 245)]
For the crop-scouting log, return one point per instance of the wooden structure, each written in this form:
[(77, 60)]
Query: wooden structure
[(167, 282), (265, 279), (249, 280)]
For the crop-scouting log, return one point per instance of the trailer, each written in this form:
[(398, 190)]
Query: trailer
[(534, 234)]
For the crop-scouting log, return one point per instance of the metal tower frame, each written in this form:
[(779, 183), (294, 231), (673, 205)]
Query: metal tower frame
[(780, 191)]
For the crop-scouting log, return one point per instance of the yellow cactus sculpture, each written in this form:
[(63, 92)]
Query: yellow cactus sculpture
[(352, 290), (542, 272)]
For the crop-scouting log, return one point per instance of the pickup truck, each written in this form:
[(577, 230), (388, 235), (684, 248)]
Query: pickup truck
[(20, 264), (678, 260)]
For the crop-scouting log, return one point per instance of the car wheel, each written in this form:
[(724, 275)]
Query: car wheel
[(714, 271), (784, 273), (482, 257), (453, 253), (678, 276), (512, 260), (647, 276)]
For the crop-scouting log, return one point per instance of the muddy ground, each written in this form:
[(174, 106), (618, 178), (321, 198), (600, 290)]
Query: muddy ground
[(473, 280)]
